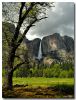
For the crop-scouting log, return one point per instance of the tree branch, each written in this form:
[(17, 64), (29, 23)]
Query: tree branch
[(28, 10), (44, 4), (41, 18), (22, 6), (26, 30), (18, 65), (21, 20), (28, 27), (16, 56)]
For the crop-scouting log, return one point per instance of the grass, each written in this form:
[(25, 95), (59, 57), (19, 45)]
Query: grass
[(41, 87), (42, 81)]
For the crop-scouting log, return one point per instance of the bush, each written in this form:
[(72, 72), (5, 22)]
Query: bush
[(47, 72), (64, 74), (21, 72), (70, 73)]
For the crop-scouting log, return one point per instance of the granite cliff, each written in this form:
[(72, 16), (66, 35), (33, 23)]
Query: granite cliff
[(33, 46), (56, 42), (57, 47)]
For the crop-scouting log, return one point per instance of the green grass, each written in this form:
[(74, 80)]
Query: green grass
[(42, 81), (41, 87)]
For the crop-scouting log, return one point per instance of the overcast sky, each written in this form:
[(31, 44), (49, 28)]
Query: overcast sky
[(60, 19)]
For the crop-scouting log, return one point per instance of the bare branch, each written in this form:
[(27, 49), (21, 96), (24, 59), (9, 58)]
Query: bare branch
[(22, 6), (25, 6), (28, 10), (45, 4), (26, 30), (21, 21), (28, 27), (18, 65), (41, 18), (16, 56)]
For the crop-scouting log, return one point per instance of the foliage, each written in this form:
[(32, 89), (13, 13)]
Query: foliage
[(21, 72), (55, 70), (64, 74), (6, 36), (21, 52)]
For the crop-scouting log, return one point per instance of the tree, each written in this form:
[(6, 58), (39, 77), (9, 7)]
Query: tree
[(20, 14)]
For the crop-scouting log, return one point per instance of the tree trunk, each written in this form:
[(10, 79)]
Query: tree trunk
[(9, 70), (8, 80)]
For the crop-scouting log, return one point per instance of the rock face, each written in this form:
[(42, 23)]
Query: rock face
[(55, 46), (55, 43), (33, 46), (69, 43)]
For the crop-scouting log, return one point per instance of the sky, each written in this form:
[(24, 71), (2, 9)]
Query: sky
[(60, 20)]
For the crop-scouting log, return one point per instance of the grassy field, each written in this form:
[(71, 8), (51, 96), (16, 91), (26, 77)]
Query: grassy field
[(40, 87), (42, 81)]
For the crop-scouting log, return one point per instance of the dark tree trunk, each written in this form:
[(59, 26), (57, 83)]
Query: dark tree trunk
[(8, 81), (8, 84)]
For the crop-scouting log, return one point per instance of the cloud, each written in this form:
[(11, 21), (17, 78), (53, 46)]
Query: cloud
[(60, 19)]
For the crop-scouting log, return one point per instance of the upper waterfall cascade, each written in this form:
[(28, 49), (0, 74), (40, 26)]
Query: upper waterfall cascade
[(40, 52)]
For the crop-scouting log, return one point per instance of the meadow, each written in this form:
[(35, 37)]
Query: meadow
[(41, 87), (42, 81)]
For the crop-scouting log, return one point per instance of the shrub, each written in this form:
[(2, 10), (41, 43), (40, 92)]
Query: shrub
[(70, 73), (64, 74)]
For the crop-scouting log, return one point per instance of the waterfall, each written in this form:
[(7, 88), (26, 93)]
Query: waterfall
[(40, 52)]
